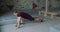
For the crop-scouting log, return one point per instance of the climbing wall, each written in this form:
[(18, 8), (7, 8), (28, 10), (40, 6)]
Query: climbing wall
[(25, 4)]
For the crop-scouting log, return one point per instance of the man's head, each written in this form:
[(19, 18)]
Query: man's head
[(15, 12)]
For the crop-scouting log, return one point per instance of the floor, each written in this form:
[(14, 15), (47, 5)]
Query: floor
[(31, 27)]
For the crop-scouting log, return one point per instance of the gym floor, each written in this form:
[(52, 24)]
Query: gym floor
[(31, 27)]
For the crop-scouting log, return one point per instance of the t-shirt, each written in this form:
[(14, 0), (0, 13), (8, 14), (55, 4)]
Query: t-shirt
[(25, 15)]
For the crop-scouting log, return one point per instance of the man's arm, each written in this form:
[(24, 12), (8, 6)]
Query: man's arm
[(18, 21)]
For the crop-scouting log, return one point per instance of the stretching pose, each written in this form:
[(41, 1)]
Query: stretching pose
[(24, 15)]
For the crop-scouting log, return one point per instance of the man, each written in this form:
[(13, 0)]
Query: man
[(24, 15)]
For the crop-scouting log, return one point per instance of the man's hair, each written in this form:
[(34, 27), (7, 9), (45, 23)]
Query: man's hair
[(15, 11)]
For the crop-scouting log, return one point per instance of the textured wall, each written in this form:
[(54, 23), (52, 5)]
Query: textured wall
[(55, 3), (27, 4)]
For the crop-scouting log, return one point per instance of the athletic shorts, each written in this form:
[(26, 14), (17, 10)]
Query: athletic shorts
[(30, 18)]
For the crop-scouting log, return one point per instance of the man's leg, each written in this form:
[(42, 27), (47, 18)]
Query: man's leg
[(21, 21)]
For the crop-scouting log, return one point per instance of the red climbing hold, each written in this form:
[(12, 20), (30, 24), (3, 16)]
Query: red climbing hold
[(34, 5)]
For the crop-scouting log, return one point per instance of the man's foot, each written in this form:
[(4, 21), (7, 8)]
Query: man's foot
[(41, 20)]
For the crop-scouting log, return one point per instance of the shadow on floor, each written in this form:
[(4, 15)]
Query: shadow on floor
[(0, 29)]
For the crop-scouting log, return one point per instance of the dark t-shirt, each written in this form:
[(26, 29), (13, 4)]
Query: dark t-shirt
[(25, 15)]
